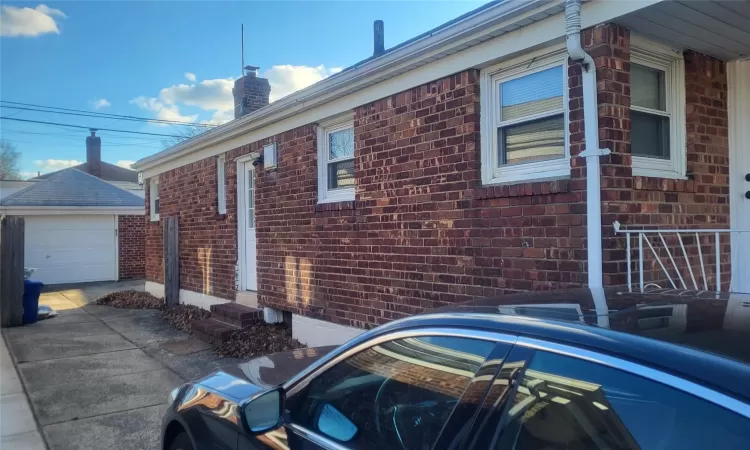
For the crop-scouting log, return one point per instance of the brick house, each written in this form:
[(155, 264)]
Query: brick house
[(454, 166)]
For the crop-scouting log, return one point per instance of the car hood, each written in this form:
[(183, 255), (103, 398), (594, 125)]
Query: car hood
[(245, 379)]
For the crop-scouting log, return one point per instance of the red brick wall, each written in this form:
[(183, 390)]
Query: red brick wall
[(422, 231), (131, 247), (289, 239), (207, 241), (154, 240), (636, 201)]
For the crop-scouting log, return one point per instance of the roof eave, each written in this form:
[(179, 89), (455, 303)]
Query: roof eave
[(416, 53), (59, 210)]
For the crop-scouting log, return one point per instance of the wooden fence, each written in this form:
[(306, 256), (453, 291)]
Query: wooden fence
[(171, 261), (11, 270)]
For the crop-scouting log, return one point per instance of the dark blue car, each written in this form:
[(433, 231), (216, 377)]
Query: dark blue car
[(555, 370)]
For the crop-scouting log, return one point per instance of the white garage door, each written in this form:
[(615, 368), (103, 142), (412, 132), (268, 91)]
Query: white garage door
[(71, 249)]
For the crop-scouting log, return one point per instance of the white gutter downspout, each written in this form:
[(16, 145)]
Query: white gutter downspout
[(592, 154)]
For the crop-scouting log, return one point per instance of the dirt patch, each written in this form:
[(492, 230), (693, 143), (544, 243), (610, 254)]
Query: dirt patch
[(180, 316), (131, 299), (258, 339)]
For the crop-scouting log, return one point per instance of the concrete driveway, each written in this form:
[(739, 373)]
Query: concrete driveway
[(98, 377)]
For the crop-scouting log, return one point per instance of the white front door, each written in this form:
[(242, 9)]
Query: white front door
[(739, 171), (250, 253)]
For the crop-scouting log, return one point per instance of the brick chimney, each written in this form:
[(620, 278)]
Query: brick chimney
[(250, 92), (94, 154)]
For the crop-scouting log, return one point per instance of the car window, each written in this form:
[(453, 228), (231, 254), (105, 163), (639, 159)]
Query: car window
[(395, 395), (567, 403)]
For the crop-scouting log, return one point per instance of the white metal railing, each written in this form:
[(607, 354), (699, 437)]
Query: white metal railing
[(645, 235)]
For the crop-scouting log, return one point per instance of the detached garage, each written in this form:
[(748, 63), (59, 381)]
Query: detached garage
[(79, 228)]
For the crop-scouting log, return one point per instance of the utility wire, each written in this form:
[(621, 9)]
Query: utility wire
[(78, 112), (90, 128), (71, 135), (72, 145)]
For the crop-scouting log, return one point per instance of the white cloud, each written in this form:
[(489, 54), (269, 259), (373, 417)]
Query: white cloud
[(286, 79), (126, 163), (208, 94), (30, 22), (163, 111), (100, 103), (51, 165), (215, 96)]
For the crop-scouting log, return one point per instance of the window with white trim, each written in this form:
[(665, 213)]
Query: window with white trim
[(221, 190), (657, 111), (524, 120), (336, 161), (154, 198)]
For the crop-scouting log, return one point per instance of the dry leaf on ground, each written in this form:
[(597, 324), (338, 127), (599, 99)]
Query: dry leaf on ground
[(258, 339), (180, 316), (131, 299)]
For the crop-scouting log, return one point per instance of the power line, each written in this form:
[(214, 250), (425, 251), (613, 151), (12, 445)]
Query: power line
[(72, 145), (77, 137), (90, 128), (78, 112)]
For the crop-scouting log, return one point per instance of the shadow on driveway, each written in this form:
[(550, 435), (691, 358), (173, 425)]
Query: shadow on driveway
[(96, 376)]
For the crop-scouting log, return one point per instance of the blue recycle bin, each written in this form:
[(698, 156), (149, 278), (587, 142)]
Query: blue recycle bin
[(31, 291)]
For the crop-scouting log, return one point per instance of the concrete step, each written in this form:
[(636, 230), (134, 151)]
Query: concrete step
[(235, 314), (212, 331)]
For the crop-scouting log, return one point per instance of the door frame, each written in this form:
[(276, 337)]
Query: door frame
[(241, 211), (738, 97), (117, 247)]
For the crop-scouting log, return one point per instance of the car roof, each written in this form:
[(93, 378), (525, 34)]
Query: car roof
[(701, 336)]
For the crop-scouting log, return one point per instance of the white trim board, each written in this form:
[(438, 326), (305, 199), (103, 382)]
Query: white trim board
[(501, 32), (200, 300), (247, 298), (155, 289), (71, 210), (316, 332), (241, 212), (117, 247), (738, 74)]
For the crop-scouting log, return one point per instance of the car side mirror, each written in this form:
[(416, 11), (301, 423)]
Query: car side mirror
[(263, 412)]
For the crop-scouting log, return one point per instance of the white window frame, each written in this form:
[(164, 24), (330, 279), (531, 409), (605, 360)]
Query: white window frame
[(490, 80), (672, 63), (153, 183), (221, 185), (326, 195)]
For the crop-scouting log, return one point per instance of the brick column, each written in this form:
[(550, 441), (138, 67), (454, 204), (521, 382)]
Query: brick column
[(707, 148)]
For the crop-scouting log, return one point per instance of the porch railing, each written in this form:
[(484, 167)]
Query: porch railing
[(678, 279)]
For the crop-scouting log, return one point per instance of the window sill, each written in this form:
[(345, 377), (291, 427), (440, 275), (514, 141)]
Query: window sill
[(344, 205), (663, 184), (520, 189), (154, 218), (337, 196)]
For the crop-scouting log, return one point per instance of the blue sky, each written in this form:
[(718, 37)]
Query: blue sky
[(173, 60)]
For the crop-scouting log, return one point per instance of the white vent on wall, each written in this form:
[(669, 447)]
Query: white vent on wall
[(271, 315), (269, 155)]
